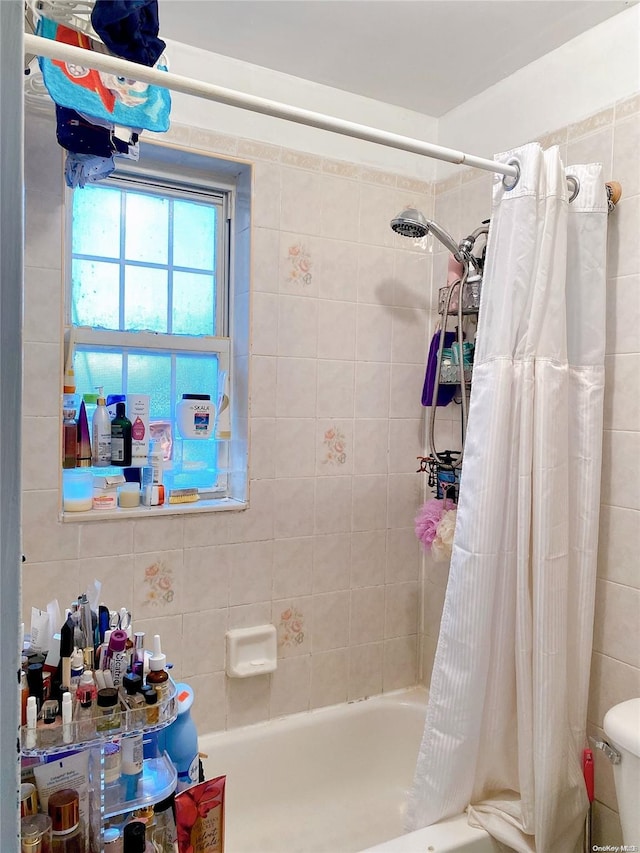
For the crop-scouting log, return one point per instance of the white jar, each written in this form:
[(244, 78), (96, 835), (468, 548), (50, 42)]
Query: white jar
[(195, 416)]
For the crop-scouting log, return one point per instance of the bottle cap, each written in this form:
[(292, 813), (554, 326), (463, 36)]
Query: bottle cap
[(135, 836), (157, 659), (107, 697), (64, 810), (151, 696), (132, 683), (120, 410), (100, 400), (196, 396), (77, 659), (118, 638)]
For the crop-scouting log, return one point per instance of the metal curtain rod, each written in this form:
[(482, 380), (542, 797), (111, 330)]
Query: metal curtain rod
[(114, 65)]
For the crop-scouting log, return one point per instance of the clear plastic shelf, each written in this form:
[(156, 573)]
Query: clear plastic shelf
[(157, 781)]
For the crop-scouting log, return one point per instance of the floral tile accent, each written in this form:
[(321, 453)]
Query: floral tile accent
[(291, 632), (300, 262), (159, 579), (335, 443)]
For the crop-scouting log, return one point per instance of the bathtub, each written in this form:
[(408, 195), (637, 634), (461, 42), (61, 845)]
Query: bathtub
[(332, 780)]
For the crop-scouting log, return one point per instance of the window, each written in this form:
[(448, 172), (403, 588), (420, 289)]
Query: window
[(148, 304)]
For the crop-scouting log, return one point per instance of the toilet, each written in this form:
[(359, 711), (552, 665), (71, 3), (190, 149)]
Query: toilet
[(622, 727)]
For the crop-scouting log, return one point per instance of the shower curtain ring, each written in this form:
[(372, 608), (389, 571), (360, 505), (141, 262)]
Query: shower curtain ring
[(573, 180), (509, 182)]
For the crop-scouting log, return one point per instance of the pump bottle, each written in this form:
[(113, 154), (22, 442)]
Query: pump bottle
[(101, 433)]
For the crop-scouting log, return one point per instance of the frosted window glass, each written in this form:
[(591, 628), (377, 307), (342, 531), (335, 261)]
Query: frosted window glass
[(194, 227), (96, 222), (151, 374), (95, 289), (94, 369), (193, 304), (147, 228), (145, 300), (197, 375)]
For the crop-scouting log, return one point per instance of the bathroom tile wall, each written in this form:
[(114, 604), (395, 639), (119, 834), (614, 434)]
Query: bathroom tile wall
[(611, 136), (326, 551)]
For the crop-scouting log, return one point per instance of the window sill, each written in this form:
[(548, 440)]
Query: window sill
[(141, 512)]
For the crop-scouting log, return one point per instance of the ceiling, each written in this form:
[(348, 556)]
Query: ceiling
[(424, 55)]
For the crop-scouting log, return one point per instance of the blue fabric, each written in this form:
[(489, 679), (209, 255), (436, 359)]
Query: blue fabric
[(81, 169), (129, 28), (116, 99)]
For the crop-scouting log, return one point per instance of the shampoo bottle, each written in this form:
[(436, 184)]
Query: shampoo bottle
[(121, 437), (182, 740), (101, 433)]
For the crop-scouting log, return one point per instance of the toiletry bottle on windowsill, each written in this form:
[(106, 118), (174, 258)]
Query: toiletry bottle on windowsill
[(69, 439), (121, 437), (101, 433), (84, 439)]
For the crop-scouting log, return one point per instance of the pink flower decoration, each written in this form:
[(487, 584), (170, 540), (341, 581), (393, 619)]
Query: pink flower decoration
[(428, 518)]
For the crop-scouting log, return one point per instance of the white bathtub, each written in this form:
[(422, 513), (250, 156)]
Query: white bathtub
[(333, 780)]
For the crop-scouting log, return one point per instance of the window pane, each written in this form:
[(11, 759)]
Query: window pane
[(197, 375), (145, 300), (151, 374), (95, 294), (147, 228), (101, 368), (193, 304), (96, 222), (194, 243)]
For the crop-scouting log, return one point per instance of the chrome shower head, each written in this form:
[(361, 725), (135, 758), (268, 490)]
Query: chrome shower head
[(413, 223)]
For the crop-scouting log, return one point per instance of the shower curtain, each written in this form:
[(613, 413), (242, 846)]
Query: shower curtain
[(505, 725)]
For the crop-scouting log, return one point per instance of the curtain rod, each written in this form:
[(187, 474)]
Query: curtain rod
[(176, 82)]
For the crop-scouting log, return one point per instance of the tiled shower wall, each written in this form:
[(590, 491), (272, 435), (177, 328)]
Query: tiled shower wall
[(611, 137), (326, 551)]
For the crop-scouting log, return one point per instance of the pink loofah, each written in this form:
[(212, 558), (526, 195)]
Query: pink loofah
[(427, 520)]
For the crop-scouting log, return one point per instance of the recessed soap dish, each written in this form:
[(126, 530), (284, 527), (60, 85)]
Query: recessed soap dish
[(251, 651)]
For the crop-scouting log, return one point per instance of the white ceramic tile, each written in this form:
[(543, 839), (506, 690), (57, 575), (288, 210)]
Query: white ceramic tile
[(106, 538), (171, 635), (605, 828), (256, 523), (293, 618), (294, 450), (209, 709), (612, 682), (367, 615), (301, 201), (209, 529), (336, 389), (399, 663), (339, 216), (338, 270), (623, 250), (618, 488), (264, 324), (294, 502), (292, 567), (116, 578), (371, 446), (448, 215), (406, 390), (376, 281), (43, 289), (42, 582), (594, 148), (266, 195), (300, 264), (433, 602), (333, 503), (296, 388), (41, 379), (368, 558), (250, 615), (373, 333), (406, 443), (409, 336), (377, 209), (43, 224), (334, 446), (603, 768), (205, 578), (403, 556), (621, 408), (623, 314), (616, 627), (619, 545), (330, 621), (262, 462), (626, 169), (331, 562), (290, 686), (158, 534), (429, 645), (43, 162), (372, 390), (412, 280), (158, 584), (40, 464), (401, 609), (329, 678), (203, 642), (247, 700), (369, 502), (475, 197), (250, 572), (263, 387), (405, 497), (336, 330), (365, 671), (297, 326), (265, 244), (44, 538)]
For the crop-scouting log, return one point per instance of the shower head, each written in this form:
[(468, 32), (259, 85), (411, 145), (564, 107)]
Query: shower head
[(413, 223)]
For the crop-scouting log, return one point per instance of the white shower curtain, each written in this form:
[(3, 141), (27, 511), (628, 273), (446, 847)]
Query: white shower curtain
[(505, 725)]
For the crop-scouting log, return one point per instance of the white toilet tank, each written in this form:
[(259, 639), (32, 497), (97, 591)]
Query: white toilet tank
[(622, 727)]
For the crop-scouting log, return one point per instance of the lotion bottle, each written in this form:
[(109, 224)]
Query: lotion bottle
[(101, 433)]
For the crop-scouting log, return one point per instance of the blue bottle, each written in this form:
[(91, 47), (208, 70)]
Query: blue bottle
[(181, 740)]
